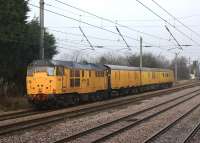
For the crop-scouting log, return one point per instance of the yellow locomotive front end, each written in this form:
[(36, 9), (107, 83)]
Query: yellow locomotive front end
[(43, 82)]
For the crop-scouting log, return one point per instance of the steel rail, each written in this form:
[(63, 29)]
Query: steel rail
[(11, 113), (192, 133), (78, 135), (21, 114), (166, 128), (139, 122), (27, 112)]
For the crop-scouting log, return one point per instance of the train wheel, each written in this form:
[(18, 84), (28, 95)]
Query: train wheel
[(105, 95), (93, 98), (75, 100), (100, 96)]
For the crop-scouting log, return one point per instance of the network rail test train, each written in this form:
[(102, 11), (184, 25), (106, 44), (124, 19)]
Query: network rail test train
[(52, 83)]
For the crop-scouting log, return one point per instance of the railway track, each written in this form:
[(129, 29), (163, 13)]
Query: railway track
[(18, 114), (166, 128), (29, 112), (113, 128), (192, 134), (11, 125)]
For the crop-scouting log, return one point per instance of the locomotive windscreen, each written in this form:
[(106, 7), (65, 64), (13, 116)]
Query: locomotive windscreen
[(35, 69)]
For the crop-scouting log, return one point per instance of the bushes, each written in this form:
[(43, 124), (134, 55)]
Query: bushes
[(13, 103), (10, 97)]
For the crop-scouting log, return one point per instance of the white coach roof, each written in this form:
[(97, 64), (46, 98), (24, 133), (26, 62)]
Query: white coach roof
[(117, 67)]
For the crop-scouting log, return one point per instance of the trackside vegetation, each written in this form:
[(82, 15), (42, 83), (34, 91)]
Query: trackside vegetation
[(19, 45)]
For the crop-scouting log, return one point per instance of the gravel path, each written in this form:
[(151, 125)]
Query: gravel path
[(68, 127)]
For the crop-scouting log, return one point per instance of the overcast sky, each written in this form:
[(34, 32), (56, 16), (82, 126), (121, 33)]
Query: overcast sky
[(126, 12)]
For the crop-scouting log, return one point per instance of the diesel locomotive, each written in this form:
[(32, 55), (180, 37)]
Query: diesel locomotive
[(52, 83)]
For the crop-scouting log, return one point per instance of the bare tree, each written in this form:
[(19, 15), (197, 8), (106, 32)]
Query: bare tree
[(110, 58), (149, 60), (182, 68)]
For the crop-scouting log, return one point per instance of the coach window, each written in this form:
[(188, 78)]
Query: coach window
[(99, 74), (89, 73), (77, 73), (135, 75), (77, 82), (82, 73), (72, 73), (153, 75), (102, 74), (149, 74), (74, 78)]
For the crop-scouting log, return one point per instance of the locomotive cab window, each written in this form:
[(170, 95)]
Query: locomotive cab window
[(60, 71)]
